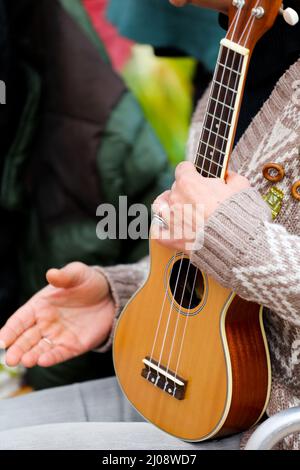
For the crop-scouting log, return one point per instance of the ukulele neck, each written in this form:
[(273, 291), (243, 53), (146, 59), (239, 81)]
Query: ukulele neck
[(220, 122)]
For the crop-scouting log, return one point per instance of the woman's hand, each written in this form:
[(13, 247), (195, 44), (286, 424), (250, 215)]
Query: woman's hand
[(69, 317), (190, 203), (220, 5)]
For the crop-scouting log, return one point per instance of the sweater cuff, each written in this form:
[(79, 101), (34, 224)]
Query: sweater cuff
[(124, 280), (229, 233)]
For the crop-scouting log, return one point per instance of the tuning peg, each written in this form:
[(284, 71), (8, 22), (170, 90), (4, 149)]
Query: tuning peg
[(290, 16)]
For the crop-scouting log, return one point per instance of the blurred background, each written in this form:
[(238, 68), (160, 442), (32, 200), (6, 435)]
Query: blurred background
[(164, 88), (169, 75)]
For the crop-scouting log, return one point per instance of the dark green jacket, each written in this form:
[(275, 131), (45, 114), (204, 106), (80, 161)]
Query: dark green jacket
[(82, 140)]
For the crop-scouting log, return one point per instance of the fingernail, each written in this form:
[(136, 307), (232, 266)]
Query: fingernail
[(2, 345)]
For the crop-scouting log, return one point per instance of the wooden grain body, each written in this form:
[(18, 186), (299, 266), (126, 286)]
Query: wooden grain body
[(224, 359)]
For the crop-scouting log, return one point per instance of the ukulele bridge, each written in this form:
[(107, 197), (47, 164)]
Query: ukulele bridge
[(164, 378)]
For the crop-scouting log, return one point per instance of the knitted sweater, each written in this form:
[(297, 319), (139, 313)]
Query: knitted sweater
[(244, 249)]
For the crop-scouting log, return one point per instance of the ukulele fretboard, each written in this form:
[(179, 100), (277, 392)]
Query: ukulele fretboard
[(222, 110)]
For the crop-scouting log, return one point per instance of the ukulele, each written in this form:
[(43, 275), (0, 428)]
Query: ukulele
[(190, 355)]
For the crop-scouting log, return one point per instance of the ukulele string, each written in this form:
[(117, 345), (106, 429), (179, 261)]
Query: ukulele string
[(171, 310), (170, 313), (177, 322), (161, 315), (217, 134), (231, 104), (252, 20), (180, 312), (178, 275), (227, 125), (248, 28), (231, 70), (233, 26)]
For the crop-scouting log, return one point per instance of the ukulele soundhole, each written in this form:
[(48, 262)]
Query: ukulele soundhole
[(187, 284)]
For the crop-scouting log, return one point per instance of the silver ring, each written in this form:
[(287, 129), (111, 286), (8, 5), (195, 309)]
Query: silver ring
[(160, 220), (48, 341)]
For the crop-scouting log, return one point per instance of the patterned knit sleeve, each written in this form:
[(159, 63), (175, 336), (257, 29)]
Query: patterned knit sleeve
[(124, 281), (253, 256)]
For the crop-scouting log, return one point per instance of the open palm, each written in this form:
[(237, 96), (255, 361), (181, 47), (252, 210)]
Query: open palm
[(70, 316)]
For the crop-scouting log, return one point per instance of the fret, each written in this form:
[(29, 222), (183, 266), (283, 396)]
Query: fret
[(211, 154), (214, 139), (208, 154), (219, 132), (227, 75), (219, 120), (207, 173), (223, 104), (231, 58), (224, 95), (216, 108), (215, 133), (235, 71), (225, 86), (228, 68), (224, 67), (211, 161), (213, 149)]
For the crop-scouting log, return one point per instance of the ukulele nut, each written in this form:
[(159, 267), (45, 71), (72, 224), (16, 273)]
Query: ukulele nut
[(273, 172), (296, 190)]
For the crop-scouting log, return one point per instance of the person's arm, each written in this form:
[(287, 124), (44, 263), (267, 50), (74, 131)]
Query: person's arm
[(256, 258), (74, 314), (69, 317), (124, 280), (238, 245)]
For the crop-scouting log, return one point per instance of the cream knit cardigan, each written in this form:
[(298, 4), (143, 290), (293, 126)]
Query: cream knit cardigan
[(247, 252)]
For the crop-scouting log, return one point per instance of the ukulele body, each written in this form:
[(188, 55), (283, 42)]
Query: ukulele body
[(211, 367), (201, 371)]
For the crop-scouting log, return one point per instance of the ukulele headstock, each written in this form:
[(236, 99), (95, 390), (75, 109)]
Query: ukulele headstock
[(249, 20)]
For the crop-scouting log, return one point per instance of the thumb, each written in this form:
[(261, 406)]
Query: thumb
[(69, 276)]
